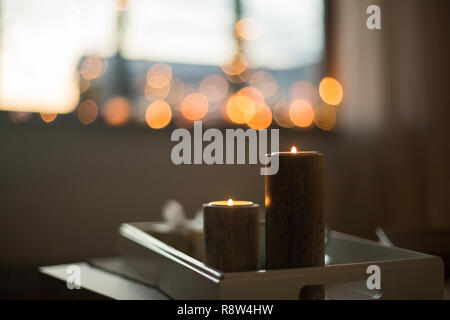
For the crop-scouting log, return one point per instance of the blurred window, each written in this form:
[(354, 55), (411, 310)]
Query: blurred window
[(42, 43)]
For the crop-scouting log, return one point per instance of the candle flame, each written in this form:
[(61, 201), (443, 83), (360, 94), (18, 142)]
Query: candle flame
[(293, 150), (230, 202)]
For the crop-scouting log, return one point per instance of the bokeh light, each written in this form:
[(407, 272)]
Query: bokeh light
[(240, 108), (158, 114), (331, 91), (248, 29), (117, 111), (87, 111), (122, 5), (214, 87), (48, 117), (194, 106), (264, 82), (240, 78), (159, 75), (237, 66), (251, 93), (262, 117), (301, 113), (325, 117), (93, 67)]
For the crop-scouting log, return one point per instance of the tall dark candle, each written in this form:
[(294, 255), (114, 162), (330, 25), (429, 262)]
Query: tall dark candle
[(295, 232)]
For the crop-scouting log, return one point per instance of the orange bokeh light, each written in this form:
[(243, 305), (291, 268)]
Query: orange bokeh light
[(237, 66), (194, 106), (240, 78), (240, 108), (331, 91), (251, 93), (48, 117), (159, 75), (301, 113), (117, 111), (122, 5), (158, 114), (93, 67), (262, 117), (248, 29), (87, 111), (325, 117), (214, 87)]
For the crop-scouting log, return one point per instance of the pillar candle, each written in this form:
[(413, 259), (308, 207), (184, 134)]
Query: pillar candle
[(231, 235), (295, 234)]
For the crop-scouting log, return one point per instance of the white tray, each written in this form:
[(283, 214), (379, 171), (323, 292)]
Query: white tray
[(405, 274)]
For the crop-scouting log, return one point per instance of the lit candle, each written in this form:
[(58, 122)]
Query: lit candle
[(231, 235), (295, 233)]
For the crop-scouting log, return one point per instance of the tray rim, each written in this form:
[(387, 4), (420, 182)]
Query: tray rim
[(132, 231)]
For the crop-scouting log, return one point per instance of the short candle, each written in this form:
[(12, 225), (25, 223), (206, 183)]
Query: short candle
[(231, 238)]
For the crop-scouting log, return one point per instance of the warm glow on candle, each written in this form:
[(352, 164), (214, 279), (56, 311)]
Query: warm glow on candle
[(293, 150), (231, 203), (267, 201)]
